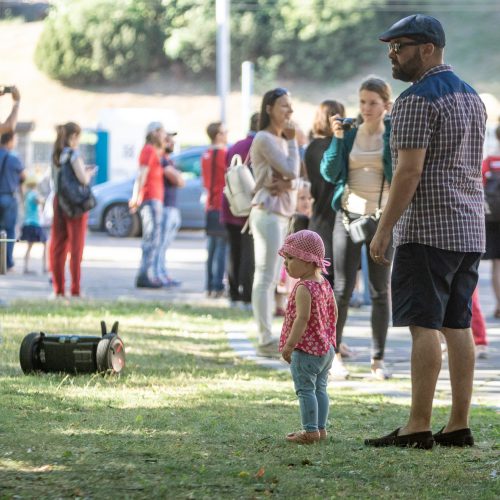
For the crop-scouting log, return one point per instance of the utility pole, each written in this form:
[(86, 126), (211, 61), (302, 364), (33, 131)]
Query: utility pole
[(247, 73), (223, 55)]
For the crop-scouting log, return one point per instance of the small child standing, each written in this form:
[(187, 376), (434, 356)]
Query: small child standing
[(308, 335), (32, 231)]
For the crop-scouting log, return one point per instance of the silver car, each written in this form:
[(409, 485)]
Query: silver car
[(111, 212)]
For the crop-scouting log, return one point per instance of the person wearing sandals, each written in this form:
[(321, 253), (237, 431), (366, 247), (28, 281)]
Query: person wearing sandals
[(358, 164), (435, 214), (275, 162), (308, 335)]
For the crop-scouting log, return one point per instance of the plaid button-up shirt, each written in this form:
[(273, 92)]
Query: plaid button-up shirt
[(445, 116)]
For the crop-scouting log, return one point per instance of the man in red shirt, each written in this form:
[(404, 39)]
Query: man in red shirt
[(147, 195), (213, 167)]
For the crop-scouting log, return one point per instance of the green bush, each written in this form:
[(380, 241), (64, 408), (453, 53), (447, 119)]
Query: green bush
[(91, 41), (318, 39)]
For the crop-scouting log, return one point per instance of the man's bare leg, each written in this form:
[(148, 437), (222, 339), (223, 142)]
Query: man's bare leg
[(461, 360), (425, 368)]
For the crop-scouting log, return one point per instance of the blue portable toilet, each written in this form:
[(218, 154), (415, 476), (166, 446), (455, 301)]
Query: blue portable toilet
[(102, 156)]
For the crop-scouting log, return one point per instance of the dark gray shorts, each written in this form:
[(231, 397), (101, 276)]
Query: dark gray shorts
[(432, 288)]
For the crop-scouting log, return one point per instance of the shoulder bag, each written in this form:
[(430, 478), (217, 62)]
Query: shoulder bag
[(74, 197), (363, 229)]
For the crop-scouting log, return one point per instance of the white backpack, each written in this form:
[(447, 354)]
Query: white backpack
[(240, 187)]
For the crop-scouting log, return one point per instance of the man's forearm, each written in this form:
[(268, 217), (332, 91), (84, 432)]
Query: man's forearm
[(11, 121)]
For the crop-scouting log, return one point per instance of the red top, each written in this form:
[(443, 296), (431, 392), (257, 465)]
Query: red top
[(320, 330), (153, 185), (214, 186), (490, 164)]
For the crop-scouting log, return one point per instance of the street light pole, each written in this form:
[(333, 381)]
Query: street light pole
[(223, 55)]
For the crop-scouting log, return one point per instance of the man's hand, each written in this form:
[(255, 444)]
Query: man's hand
[(379, 245), (133, 205), (16, 96), (287, 353)]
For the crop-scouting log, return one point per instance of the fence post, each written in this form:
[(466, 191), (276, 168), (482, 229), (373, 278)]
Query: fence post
[(3, 252)]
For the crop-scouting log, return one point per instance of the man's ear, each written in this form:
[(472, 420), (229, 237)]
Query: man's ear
[(427, 50)]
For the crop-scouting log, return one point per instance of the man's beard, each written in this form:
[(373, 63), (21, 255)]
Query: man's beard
[(168, 150), (409, 71)]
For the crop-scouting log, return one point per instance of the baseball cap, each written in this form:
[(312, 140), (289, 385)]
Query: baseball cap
[(153, 126), (306, 245), (418, 27)]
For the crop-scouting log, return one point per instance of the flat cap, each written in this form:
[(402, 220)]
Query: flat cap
[(418, 27)]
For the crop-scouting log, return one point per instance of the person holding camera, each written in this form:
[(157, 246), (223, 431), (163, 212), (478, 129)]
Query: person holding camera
[(10, 123), (358, 163), (12, 175)]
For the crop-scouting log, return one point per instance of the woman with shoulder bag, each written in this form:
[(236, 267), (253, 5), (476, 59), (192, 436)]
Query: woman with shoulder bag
[(68, 233), (358, 163), (276, 163)]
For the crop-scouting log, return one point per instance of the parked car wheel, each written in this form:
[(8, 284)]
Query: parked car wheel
[(119, 222)]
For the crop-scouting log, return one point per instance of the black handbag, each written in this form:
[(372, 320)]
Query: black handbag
[(363, 228), (74, 197), (213, 226)]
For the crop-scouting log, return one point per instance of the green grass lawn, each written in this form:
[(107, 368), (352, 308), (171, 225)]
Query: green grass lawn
[(187, 419)]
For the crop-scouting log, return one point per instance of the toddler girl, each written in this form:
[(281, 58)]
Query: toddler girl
[(308, 333), (32, 231)]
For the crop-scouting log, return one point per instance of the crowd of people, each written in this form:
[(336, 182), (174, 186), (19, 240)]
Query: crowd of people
[(402, 181)]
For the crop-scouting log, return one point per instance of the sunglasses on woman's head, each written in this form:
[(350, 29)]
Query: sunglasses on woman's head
[(279, 92)]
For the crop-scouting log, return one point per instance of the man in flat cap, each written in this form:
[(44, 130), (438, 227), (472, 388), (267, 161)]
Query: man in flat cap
[(435, 212)]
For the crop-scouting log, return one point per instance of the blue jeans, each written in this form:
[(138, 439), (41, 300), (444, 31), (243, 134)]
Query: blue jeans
[(151, 217), (310, 377), (216, 263), (170, 224), (8, 218)]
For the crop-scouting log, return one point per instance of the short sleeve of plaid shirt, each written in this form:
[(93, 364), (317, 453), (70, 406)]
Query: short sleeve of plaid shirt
[(413, 123)]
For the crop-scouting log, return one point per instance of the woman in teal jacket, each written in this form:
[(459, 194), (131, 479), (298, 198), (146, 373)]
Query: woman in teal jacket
[(358, 164)]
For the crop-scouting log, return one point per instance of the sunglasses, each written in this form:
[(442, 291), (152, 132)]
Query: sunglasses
[(397, 46), (279, 92)]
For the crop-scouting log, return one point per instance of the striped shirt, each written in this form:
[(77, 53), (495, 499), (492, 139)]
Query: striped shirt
[(445, 116)]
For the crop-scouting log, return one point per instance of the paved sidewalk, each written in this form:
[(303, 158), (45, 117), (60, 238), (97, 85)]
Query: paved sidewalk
[(108, 273)]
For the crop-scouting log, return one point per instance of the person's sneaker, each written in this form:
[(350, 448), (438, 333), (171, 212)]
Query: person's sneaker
[(338, 371), (379, 370), (323, 435), (303, 437), (345, 350), (145, 282), (461, 438), (269, 350), (482, 351), (171, 283)]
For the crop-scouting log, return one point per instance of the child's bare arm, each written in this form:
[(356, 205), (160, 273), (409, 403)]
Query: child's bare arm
[(303, 304)]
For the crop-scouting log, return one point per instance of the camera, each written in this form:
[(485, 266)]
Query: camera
[(5, 89), (347, 123)]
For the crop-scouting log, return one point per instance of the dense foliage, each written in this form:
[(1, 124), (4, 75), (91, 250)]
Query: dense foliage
[(86, 41), (94, 41)]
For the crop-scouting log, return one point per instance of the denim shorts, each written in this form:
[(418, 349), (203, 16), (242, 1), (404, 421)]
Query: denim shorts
[(432, 288)]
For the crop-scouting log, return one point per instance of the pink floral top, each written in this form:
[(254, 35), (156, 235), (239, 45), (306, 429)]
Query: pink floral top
[(320, 330)]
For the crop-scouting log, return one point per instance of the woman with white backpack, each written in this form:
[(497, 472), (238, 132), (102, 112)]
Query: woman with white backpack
[(276, 163)]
